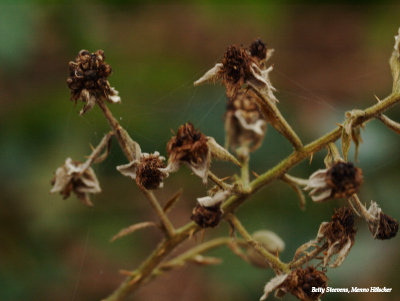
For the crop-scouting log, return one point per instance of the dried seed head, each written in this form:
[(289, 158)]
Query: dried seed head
[(207, 217), (189, 146), (300, 282), (341, 227), (381, 225), (258, 49), (245, 125), (148, 171), (388, 227), (345, 179), (88, 79), (75, 177), (235, 69), (342, 180), (149, 174)]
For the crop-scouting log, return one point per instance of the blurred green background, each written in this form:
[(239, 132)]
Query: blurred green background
[(328, 59)]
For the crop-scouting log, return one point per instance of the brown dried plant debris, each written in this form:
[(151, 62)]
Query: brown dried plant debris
[(75, 177), (381, 225), (88, 79), (193, 148), (148, 170), (299, 283), (241, 66), (245, 125), (341, 180), (339, 234)]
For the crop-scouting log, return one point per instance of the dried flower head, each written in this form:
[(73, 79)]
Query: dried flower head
[(340, 181), (193, 148), (241, 66), (148, 170), (245, 125), (381, 225), (75, 177), (88, 79), (207, 217), (299, 283), (339, 234), (207, 212)]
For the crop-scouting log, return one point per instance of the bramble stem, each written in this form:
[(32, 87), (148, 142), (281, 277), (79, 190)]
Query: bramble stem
[(96, 152), (245, 175), (167, 245), (218, 181), (274, 261), (168, 227)]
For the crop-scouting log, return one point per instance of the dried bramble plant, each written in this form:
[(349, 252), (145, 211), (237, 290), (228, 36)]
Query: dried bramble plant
[(251, 106)]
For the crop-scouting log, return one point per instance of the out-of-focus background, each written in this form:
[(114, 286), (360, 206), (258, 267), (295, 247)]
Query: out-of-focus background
[(328, 59)]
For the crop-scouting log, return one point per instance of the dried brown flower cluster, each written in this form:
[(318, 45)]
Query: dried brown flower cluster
[(341, 180), (88, 79), (206, 217), (299, 283), (339, 234), (148, 170)]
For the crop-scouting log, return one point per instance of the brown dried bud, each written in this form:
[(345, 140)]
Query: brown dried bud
[(387, 227), (88, 79), (300, 282), (345, 179), (207, 216), (245, 125), (258, 49), (148, 171)]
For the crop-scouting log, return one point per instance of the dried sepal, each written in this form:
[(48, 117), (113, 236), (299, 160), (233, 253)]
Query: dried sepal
[(217, 198), (212, 75), (341, 180), (88, 80), (299, 283), (78, 178), (381, 225), (148, 170), (220, 153), (131, 229), (349, 133)]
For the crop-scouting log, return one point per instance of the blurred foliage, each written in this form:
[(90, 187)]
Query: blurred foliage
[(328, 59)]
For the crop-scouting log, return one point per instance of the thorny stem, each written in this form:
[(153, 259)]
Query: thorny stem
[(218, 181), (245, 175), (279, 122), (334, 152), (391, 124), (167, 245), (274, 261), (168, 227)]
